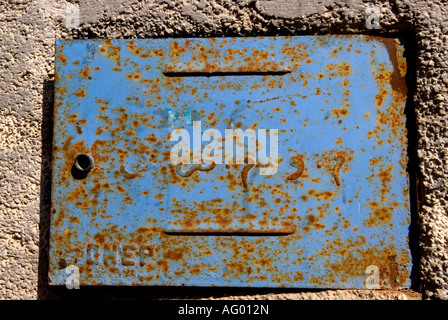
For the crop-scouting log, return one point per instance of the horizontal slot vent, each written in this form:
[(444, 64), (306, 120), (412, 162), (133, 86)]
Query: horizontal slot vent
[(224, 74)]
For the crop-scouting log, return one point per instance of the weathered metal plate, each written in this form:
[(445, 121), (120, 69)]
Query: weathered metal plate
[(337, 204)]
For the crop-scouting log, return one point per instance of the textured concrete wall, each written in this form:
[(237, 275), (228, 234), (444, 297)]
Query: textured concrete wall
[(28, 30)]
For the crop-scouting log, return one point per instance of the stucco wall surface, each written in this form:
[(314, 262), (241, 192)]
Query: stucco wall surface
[(28, 30)]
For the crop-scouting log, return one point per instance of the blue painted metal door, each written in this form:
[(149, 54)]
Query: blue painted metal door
[(268, 162)]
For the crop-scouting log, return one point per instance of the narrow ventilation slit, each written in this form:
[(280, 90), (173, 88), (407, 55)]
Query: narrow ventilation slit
[(229, 233), (224, 74)]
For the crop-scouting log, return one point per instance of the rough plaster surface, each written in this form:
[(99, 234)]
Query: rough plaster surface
[(331, 295), (28, 30)]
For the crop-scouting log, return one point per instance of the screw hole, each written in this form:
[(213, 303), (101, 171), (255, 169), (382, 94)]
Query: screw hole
[(82, 166)]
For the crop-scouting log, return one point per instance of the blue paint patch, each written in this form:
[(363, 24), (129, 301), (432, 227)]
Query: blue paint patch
[(337, 203)]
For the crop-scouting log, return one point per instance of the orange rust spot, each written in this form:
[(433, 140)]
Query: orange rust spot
[(254, 125), (80, 93), (196, 270), (76, 194), (176, 49), (341, 69), (373, 204), (61, 215), (164, 265), (159, 196), (374, 161), (85, 73), (211, 116), (224, 222), (74, 219), (158, 52), (380, 98), (385, 177), (339, 112), (112, 52), (99, 238), (62, 59), (120, 189), (326, 195), (311, 218), (176, 254), (380, 215), (313, 222)]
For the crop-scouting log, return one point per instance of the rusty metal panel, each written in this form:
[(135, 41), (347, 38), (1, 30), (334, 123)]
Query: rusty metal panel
[(332, 207)]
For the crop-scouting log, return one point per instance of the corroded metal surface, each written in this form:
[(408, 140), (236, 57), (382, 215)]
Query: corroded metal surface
[(338, 203)]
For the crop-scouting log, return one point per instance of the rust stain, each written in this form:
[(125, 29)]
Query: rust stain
[(339, 112), (85, 73), (195, 168), (341, 69), (61, 57), (323, 195), (175, 254), (387, 78), (297, 161), (129, 175), (381, 214), (80, 93), (245, 172), (111, 52), (397, 80), (340, 160), (355, 258)]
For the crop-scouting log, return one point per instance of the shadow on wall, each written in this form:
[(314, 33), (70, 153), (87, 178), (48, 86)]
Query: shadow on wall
[(415, 181), (45, 186)]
